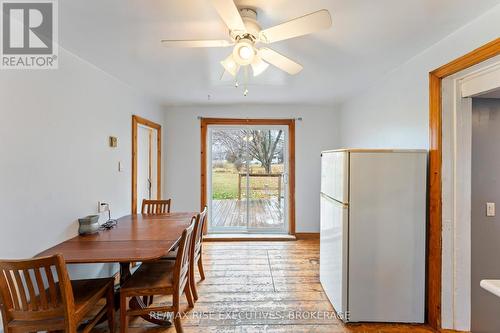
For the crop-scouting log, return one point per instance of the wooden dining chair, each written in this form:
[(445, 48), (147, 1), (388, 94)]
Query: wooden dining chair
[(157, 278), (37, 295), (196, 252), (156, 207)]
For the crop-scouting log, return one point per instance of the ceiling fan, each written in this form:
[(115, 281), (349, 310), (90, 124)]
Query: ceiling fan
[(245, 34)]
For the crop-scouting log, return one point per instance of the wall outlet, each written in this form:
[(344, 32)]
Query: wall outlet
[(102, 206), (490, 209)]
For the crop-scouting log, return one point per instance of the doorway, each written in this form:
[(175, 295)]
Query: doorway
[(248, 178), (146, 161), (443, 301), (484, 223), (458, 91), (248, 175)]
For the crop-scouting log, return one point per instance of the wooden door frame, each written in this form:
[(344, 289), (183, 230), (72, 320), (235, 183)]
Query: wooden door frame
[(136, 121), (205, 122), (434, 251)]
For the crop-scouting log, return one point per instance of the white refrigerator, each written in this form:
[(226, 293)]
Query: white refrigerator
[(373, 226)]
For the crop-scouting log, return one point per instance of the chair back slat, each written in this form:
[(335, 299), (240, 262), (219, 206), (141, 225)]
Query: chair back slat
[(155, 207), (18, 287), (7, 283), (198, 232), (44, 304), (183, 253), (33, 300), (25, 287), (52, 286)]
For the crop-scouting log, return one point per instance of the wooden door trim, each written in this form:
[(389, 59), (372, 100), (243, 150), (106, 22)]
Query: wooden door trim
[(205, 122), (136, 121), (434, 254)]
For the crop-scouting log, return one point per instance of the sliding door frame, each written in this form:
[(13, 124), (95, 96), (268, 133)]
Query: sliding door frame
[(290, 123), (136, 121), (284, 184), (434, 250)]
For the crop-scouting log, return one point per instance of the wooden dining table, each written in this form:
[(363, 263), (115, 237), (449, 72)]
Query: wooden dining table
[(135, 238)]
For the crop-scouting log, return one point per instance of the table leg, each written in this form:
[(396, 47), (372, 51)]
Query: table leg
[(137, 302), (124, 272)]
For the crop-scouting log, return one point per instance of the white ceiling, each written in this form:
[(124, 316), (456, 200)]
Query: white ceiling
[(368, 39)]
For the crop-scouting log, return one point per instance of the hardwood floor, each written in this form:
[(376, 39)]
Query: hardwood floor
[(264, 213), (264, 287)]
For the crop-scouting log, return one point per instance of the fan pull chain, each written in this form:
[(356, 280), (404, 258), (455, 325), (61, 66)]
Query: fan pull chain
[(245, 91)]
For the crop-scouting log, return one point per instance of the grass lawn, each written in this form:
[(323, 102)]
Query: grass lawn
[(225, 182), (224, 185)]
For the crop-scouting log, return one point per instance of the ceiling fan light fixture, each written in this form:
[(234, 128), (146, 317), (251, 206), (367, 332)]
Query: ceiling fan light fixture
[(244, 52), (259, 66), (230, 65)]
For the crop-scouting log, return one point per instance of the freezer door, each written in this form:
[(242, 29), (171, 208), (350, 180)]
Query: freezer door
[(335, 175), (333, 252)]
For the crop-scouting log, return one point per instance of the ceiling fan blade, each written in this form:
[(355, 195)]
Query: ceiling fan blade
[(297, 27), (230, 14), (280, 61), (195, 43)]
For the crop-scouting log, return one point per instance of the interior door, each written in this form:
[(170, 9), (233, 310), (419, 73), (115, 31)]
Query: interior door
[(146, 164), (146, 161), (247, 179)]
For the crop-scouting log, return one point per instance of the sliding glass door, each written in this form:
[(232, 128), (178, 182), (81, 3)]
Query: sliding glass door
[(248, 179)]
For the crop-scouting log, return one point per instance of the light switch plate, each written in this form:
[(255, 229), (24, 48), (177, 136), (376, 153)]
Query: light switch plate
[(113, 141), (490, 209)]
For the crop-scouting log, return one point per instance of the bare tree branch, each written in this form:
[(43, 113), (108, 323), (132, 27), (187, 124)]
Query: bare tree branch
[(261, 145)]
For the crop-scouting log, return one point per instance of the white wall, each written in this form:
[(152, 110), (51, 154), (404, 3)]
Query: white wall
[(318, 131), (393, 112), (55, 161)]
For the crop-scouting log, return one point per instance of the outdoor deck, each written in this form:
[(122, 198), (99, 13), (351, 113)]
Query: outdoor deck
[(264, 213)]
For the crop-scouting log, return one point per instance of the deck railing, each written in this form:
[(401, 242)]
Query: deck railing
[(272, 175)]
